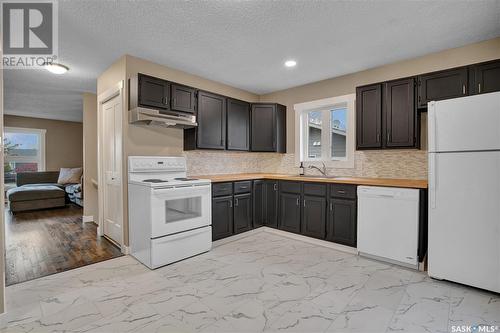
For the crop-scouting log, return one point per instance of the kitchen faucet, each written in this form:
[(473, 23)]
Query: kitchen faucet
[(321, 170)]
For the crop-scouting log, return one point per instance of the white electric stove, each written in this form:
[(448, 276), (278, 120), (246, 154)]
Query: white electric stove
[(170, 215)]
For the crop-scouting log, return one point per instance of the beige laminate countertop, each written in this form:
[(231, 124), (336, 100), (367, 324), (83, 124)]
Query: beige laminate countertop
[(408, 183)]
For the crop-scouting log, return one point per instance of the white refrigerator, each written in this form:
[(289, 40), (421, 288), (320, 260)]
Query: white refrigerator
[(464, 190)]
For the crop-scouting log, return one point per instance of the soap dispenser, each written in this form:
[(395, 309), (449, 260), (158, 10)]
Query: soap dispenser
[(301, 169)]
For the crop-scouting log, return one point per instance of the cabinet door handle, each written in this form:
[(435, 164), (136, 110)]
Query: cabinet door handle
[(388, 136), (275, 186), (304, 202), (298, 203), (231, 203), (331, 206), (479, 88), (378, 137), (236, 202), (341, 191), (463, 89), (165, 100)]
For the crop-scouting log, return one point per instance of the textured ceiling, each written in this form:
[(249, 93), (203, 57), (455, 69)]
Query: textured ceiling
[(243, 43)]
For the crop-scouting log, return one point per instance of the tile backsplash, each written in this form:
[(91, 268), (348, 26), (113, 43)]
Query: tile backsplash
[(382, 163)]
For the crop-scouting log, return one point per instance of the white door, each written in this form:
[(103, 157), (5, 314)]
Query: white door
[(464, 218), (111, 163), (465, 124)]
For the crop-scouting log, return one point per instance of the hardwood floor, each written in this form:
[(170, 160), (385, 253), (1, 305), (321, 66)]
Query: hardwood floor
[(45, 242)]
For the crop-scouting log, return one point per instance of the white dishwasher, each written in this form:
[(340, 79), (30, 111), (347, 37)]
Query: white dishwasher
[(388, 220)]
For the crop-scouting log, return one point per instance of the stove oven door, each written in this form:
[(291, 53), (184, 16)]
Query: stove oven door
[(180, 209)]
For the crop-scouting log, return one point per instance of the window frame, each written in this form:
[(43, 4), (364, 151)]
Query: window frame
[(40, 158), (302, 132)]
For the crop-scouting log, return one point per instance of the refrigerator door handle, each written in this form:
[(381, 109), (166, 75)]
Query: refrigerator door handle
[(432, 127), (432, 179)]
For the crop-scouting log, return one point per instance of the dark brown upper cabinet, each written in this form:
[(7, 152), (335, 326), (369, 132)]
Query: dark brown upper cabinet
[(485, 77), (151, 92), (211, 130), (441, 85), (238, 125), (183, 98), (369, 117), (268, 128), (400, 114)]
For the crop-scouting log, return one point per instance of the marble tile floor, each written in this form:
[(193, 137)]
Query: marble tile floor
[(261, 283)]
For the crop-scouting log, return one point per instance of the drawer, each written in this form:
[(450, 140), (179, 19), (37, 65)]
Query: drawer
[(243, 187), (315, 189), (220, 189), (290, 187), (343, 191)]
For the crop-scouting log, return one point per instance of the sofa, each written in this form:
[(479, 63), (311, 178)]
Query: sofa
[(38, 190)]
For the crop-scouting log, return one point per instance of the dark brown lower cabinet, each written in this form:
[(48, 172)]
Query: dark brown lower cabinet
[(242, 212), (342, 221), (310, 209), (222, 217), (259, 203), (271, 203), (314, 216), (289, 215)]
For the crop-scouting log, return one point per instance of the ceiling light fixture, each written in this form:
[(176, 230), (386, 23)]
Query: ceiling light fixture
[(56, 68), (290, 63)]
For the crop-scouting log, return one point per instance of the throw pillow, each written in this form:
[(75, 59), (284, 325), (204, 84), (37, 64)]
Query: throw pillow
[(69, 176)]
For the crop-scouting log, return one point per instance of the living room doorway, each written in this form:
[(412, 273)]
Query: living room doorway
[(48, 226)]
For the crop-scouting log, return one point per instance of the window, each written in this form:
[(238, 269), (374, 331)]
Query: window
[(24, 150), (325, 131)]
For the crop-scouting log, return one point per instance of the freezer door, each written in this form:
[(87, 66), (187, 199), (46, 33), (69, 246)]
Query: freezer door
[(465, 124), (464, 218)]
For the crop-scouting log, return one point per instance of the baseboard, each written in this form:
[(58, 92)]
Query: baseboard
[(311, 240), (125, 249), (236, 237), (287, 234), (87, 218)]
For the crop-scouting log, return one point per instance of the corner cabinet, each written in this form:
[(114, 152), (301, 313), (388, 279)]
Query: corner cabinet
[(268, 128), (238, 125), (211, 130)]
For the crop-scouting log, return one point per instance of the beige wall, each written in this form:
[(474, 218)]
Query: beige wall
[(63, 140), (473, 53), (140, 140), (90, 198)]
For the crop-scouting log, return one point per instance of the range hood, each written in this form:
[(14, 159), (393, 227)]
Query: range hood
[(153, 117)]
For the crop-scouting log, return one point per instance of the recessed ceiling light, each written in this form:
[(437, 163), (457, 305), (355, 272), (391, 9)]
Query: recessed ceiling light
[(56, 68), (290, 63)]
